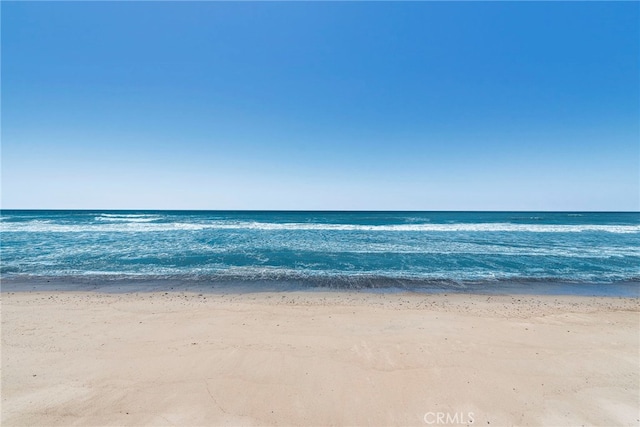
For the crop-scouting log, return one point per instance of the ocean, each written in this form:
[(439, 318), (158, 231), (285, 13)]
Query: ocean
[(537, 252)]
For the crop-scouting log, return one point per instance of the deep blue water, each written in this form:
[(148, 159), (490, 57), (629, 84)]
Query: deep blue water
[(336, 249)]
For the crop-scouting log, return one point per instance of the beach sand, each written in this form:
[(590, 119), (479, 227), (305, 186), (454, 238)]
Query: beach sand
[(318, 358)]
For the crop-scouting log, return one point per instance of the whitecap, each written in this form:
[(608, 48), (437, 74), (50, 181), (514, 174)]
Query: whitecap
[(148, 225)]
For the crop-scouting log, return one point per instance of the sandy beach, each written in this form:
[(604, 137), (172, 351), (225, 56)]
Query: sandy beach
[(318, 358)]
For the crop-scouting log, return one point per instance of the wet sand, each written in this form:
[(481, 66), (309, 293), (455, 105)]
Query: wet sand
[(318, 358)]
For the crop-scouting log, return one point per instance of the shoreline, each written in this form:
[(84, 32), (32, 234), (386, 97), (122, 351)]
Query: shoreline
[(119, 284), (318, 358)]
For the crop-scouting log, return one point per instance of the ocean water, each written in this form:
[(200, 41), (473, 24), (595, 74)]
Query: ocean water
[(444, 250)]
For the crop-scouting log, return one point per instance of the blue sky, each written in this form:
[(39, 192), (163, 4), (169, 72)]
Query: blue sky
[(391, 106)]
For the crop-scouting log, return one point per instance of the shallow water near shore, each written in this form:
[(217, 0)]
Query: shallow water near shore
[(619, 289)]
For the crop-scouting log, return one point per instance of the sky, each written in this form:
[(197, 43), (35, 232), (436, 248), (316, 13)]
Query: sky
[(321, 106)]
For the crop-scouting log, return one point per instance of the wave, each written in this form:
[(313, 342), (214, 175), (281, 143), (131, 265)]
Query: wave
[(108, 215), (146, 223), (127, 218), (338, 280)]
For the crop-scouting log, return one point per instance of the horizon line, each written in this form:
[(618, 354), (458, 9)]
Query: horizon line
[(320, 210)]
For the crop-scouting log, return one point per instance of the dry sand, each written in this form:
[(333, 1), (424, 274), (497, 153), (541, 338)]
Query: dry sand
[(318, 358)]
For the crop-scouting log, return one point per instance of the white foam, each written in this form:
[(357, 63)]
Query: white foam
[(128, 215), (127, 218), (146, 225), (455, 227), (115, 219)]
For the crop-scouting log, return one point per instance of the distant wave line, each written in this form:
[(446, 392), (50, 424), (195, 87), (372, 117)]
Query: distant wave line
[(138, 224)]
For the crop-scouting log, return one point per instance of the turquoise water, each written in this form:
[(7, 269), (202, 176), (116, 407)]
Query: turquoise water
[(335, 249)]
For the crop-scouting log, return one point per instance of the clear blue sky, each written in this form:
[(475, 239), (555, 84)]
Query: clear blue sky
[(428, 106)]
